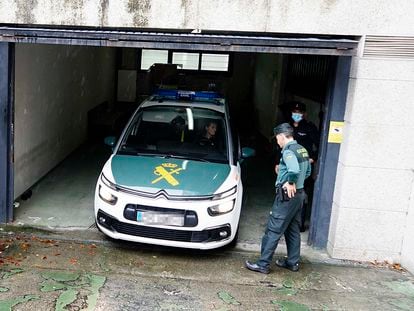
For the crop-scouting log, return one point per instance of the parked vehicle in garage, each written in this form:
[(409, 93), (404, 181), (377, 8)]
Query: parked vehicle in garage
[(173, 178)]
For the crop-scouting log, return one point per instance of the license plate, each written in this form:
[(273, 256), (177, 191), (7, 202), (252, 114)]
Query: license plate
[(151, 218)]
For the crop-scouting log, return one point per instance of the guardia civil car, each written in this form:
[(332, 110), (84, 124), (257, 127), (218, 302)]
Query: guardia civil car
[(173, 178)]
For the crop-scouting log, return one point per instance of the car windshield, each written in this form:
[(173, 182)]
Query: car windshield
[(182, 132)]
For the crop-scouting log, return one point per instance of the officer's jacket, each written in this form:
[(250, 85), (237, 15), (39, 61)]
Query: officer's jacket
[(294, 165), (306, 134)]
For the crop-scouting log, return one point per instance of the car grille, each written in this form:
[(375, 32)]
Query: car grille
[(152, 232), (209, 235)]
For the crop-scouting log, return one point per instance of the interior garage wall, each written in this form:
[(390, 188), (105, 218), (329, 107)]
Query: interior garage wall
[(267, 91), (55, 86), (236, 85), (372, 215)]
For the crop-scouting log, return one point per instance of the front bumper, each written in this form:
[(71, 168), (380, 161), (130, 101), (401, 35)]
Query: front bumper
[(206, 239)]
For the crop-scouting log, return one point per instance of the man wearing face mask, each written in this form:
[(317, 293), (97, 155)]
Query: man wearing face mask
[(306, 134)]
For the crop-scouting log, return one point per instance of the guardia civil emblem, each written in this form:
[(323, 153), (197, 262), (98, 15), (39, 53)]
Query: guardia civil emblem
[(167, 171)]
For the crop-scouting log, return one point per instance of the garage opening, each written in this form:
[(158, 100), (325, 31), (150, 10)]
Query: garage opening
[(69, 98)]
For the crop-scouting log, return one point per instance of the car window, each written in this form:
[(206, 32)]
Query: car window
[(187, 132)]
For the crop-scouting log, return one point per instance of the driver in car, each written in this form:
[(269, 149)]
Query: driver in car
[(208, 138)]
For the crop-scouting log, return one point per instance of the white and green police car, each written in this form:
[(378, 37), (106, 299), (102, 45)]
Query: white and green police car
[(171, 180)]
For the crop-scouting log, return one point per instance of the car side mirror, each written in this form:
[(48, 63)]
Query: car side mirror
[(110, 141), (248, 152)]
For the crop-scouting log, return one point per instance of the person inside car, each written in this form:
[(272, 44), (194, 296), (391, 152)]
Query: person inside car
[(208, 138)]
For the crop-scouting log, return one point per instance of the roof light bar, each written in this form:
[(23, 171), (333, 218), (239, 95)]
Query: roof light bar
[(190, 95)]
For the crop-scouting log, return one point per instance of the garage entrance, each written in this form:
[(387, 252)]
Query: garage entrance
[(94, 90)]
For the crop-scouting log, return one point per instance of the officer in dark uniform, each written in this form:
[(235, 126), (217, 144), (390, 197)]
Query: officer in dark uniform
[(285, 216), (306, 134)]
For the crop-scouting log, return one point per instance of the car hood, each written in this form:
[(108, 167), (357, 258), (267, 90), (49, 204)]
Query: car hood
[(175, 176)]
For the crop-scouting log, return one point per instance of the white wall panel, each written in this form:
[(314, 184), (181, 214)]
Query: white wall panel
[(368, 232), (374, 188)]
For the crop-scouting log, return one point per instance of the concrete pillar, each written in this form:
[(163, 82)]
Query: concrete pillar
[(375, 176)]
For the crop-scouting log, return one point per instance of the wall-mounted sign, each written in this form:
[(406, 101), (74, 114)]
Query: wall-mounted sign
[(335, 132)]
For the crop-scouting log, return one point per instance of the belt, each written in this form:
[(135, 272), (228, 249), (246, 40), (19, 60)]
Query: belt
[(278, 187)]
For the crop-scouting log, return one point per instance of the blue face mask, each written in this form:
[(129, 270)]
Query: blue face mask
[(297, 117)]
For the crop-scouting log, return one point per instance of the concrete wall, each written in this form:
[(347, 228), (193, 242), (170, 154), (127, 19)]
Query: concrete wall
[(407, 254), (127, 85), (375, 171), (294, 16), (55, 87), (267, 91)]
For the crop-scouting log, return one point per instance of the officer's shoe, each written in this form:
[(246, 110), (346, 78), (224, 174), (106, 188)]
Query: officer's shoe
[(256, 268), (283, 264)]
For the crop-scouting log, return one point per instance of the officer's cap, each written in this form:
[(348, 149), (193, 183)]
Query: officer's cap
[(298, 106), (284, 128)]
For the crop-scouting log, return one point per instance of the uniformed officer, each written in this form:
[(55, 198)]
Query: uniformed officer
[(306, 134), (285, 216)]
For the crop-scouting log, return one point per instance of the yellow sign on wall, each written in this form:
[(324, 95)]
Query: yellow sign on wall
[(335, 132)]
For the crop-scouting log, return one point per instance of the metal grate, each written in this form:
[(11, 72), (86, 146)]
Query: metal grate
[(153, 232), (389, 47), (308, 76)]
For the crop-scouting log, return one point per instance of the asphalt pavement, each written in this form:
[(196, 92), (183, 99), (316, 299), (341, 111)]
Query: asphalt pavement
[(71, 271)]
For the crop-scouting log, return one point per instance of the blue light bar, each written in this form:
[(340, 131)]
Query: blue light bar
[(189, 95)]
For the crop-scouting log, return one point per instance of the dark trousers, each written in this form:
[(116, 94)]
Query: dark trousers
[(307, 205), (285, 219)]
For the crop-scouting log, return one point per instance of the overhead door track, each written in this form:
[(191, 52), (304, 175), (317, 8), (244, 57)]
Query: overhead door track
[(318, 45)]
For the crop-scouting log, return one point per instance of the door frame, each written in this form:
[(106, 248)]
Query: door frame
[(6, 131), (329, 154)]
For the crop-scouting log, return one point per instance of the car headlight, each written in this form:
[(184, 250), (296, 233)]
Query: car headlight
[(225, 194), (106, 196), (221, 209)]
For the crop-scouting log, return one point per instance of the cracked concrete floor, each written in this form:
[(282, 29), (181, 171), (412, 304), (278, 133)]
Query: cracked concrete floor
[(46, 274)]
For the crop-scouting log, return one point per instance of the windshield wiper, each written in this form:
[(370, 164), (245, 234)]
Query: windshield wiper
[(185, 157), (136, 153), (163, 155), (149, 154)]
